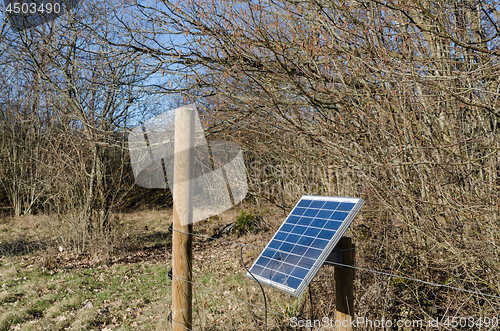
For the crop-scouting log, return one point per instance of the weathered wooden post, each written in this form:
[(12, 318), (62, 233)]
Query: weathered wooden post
[(183, 213), (344, 286)]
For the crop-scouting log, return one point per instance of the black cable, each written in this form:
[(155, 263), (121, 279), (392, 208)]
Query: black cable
[(263, 293)]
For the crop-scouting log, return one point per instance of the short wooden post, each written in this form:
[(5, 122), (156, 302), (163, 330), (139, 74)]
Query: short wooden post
[(183, 213), (344, 287)]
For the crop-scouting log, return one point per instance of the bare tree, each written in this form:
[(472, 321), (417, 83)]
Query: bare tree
[(92, 90), (24, 125), (394, 101)]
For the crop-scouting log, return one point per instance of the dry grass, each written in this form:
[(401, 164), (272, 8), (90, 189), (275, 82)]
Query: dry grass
[(42, 288), (46, 289)]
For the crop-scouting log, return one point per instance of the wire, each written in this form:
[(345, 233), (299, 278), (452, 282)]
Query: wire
[(238, 299), (212, 238), (230, 296), (414, 279), (251, 274), (185, 327), (354, 267)]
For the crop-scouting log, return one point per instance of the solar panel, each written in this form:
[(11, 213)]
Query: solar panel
[(303, 242)]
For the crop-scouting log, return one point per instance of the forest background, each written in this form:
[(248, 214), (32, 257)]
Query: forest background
[(396, 102)]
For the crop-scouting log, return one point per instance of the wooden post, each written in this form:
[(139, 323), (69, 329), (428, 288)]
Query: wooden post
[(344, 287), (183, 213)]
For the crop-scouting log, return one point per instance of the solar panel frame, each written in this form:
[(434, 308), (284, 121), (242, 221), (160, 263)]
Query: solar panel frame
[(325, 252)]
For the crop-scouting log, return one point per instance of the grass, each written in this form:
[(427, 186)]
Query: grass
[(42, 288), (127, 287), (120, 295)]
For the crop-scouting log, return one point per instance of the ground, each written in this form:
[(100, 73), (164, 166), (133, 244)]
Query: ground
[(50, 287)]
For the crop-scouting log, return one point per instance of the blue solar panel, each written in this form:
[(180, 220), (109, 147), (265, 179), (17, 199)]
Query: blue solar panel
[(303, 242)]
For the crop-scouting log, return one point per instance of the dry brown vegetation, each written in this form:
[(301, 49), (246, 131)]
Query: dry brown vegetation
[(393, 101), (396, 102), (43, 288)]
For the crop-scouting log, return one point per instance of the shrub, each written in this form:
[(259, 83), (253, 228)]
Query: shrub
[(244, 223)]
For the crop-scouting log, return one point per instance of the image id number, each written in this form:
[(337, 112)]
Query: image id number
[(32, 8), (456, 322)]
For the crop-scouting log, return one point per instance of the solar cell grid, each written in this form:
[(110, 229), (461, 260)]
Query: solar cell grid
[(303, 242)]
